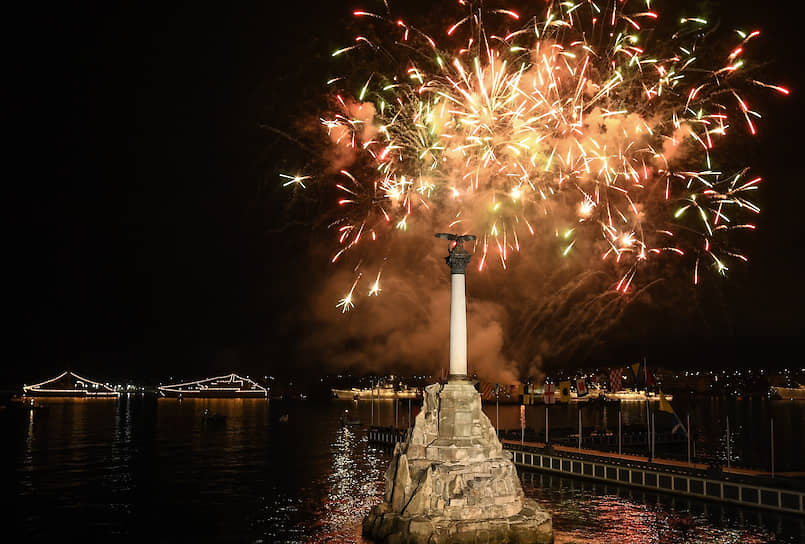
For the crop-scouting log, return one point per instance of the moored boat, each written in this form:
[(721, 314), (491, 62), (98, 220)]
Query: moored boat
[(212, 417), (377, 392), (346, 394), (69, 384), (788, 393), (228, 386), (629, 395), (349, 419)]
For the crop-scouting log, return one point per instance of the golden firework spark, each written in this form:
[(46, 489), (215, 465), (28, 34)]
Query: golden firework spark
[(601, 115)]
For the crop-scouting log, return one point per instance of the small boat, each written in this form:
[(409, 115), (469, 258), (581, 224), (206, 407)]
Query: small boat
[(607, 400), (38, 407), (574, 397), (347, 419), (29, 405), (212, 417)]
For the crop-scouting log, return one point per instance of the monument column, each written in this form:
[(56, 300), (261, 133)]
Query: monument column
[(450, 479), (457, 260)]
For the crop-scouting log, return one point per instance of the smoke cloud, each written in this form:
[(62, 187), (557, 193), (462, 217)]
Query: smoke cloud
[(568, 189)]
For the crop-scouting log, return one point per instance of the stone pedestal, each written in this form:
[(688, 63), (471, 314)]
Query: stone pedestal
[(451, 480)]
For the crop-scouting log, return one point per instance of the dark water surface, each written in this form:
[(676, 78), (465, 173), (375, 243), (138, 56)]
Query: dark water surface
[(148, 469)]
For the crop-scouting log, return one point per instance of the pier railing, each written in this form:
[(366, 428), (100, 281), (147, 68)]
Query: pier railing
[(751, 488), (738, 486)]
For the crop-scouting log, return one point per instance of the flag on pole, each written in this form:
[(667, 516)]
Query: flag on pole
[(522, 423), (639, 375), (650, 379), (665, 406), (564, 391), (581, 387), (615, 380), (548, 394), (487, 391)]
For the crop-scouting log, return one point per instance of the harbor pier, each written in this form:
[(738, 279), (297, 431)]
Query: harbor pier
[(750, 488)]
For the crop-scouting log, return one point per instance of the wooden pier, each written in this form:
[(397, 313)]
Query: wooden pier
[(750, 488)]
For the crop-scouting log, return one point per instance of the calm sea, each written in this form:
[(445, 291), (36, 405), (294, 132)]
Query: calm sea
[(150, 469)]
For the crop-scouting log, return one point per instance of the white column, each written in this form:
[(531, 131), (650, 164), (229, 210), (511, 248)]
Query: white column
[(457, 259), (458, 326)]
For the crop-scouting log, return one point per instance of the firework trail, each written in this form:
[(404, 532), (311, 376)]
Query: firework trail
[(595, 126)]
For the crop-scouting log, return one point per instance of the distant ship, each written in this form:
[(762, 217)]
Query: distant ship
[(378, 392), (228, 386), (629, 395), (68, 384), (788, 393)]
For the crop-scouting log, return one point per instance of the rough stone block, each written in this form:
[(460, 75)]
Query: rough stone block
[(459, 486), (385, 525), (402, 481)]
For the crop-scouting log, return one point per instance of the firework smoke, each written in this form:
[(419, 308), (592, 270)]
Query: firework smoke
[(586, 146)]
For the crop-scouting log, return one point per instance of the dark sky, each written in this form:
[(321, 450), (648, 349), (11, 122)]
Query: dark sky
[(147, 234)]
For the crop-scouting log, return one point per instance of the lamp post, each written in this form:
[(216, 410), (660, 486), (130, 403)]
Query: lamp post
[(457, 259)]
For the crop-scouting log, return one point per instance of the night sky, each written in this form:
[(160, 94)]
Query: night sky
[(149, 235)]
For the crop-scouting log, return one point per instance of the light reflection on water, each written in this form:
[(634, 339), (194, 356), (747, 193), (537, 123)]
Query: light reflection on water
[(352, 488), (595, 513), (150, 469)]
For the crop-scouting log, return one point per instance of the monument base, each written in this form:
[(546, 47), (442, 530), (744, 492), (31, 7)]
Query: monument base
[(451, 480), (531, 526)]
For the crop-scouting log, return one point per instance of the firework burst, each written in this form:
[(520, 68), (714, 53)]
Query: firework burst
[(600, 116)]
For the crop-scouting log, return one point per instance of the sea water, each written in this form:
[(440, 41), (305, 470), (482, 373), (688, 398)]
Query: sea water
[(142, 468)]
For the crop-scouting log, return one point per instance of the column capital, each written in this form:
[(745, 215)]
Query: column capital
[(457, 260), (458, 257)]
